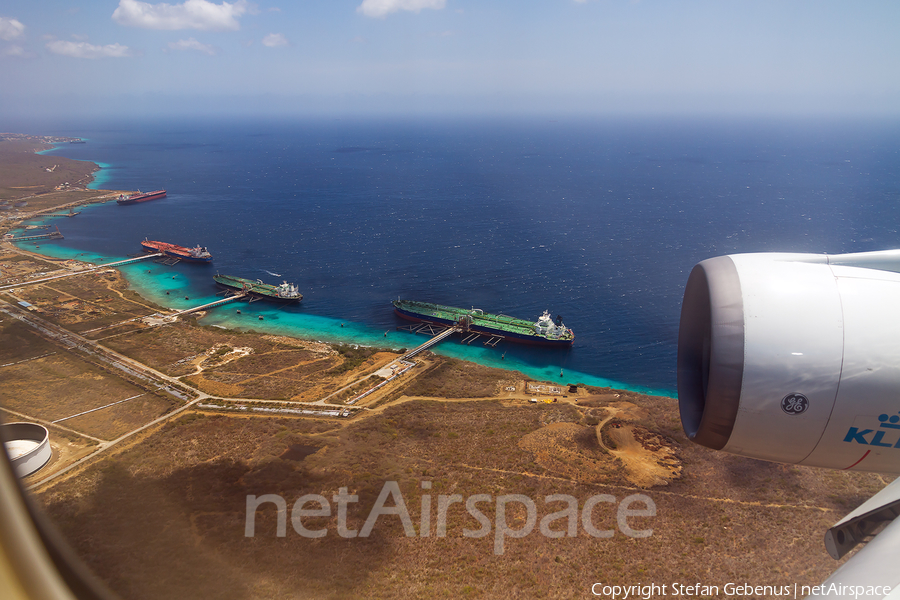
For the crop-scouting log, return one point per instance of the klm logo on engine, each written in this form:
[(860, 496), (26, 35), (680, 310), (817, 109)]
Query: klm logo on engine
[(889, 427)]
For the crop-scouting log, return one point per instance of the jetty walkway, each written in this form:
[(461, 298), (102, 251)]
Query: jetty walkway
[(53, 235), (431, 342), (80, 272), (237, 296)]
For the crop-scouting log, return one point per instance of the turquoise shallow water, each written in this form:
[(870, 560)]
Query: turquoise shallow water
[(597, 221), (101, 177), (153, 280)]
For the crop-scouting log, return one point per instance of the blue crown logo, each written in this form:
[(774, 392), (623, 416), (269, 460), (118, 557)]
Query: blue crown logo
[(890, 422)]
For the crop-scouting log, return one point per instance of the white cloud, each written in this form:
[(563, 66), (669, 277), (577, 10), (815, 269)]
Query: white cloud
[(10, 29), (274, 39), (85, 50), (192, 44), (192, 14), (382, 8), (15, 50)]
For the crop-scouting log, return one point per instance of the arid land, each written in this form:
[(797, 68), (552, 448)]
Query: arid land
[(162, 427), (36, 184)]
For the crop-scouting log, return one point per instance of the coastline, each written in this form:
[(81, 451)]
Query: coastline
[(100, 175), (26, 171), (33, 188), (456, 442), (151, 286), (152, 282)]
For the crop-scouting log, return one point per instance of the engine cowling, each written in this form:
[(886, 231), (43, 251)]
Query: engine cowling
[(794, 358)]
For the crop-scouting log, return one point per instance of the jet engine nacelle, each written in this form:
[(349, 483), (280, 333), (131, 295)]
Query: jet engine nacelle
[(794, 358)]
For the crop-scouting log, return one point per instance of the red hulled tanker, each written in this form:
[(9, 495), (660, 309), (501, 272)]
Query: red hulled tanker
[(140, 197)]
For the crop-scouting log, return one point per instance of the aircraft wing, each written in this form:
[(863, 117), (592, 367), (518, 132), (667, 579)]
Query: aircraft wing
[(871, 573), (871, 516)]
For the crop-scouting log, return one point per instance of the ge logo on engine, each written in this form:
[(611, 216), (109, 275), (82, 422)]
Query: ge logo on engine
[(794, 404)]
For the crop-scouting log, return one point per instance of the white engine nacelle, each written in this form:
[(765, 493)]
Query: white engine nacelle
[(794, 358)]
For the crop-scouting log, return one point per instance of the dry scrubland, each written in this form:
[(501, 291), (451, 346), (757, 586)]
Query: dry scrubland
[(41, 378), (249, 365), (87, 304), (15, 266), (68, 386), (24, 173), (166, 517)]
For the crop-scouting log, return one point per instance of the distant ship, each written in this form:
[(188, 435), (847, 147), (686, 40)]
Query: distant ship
[(285, 291), (140, 197), (195, 254), (544, 332)]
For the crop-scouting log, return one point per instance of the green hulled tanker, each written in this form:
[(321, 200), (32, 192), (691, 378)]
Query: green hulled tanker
[(545, 331), (285, 291)]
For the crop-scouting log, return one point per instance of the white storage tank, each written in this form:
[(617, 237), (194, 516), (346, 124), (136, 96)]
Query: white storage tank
[(28, 446)]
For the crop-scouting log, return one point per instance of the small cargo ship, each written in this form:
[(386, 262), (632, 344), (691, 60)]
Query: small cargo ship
[(285, 291), (544, 332), (195, 254), (140, 197)]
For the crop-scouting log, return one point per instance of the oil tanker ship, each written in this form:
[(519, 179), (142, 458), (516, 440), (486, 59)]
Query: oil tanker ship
[(285, 291), (140, 197), (544, 332), (196, 254)]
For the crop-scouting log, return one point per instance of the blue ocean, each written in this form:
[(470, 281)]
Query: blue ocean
[(598, 221)]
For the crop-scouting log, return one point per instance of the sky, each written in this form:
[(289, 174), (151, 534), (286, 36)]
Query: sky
[(450, 57)]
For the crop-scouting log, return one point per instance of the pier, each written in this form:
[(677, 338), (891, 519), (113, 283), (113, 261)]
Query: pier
[(81, 272), (237, 296), (153, 255), (53, 235), (438, 338), (71, 213), (130, 260), (434, 329)]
